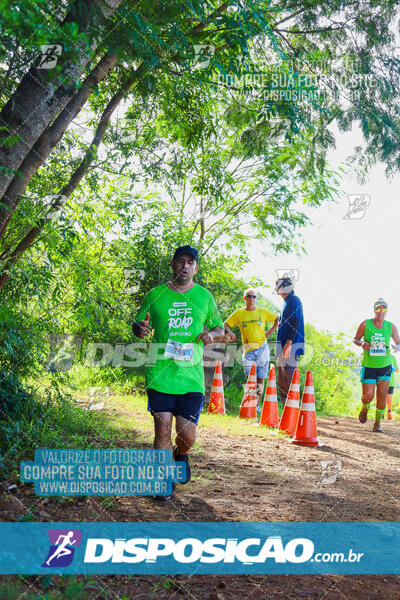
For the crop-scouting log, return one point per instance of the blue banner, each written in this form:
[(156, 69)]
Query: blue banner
[(199, 548)]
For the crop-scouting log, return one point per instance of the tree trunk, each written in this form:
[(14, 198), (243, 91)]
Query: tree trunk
[(39, 99), (74, 181), (50, 138)]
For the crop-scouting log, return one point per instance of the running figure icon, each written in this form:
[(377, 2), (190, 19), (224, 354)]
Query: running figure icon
[(62, 549)]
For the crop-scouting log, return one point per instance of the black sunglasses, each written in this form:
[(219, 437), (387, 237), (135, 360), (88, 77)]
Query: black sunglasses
[(250, 296)]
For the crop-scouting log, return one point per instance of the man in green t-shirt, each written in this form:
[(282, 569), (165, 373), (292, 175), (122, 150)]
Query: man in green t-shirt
[(184, 317), (376, 363)]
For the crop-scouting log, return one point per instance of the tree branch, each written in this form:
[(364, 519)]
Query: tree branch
[(306, 31), (75, 178), (217, 11), (295, 14)]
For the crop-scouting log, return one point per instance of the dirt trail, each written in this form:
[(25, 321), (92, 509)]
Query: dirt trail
[(352, 477)]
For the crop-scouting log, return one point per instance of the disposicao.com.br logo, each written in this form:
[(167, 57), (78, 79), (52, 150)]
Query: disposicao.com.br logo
[(146, 553), (189, 550), (248, 551)]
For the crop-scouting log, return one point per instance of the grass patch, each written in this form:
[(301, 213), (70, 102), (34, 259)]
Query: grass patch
[(121, 380), (52, 419), (236, 426), (69, 587), (132, 420), (133, 414)]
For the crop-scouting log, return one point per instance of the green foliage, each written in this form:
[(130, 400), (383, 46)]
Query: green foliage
[(335, 370), (163, 583), (67, 587), (225, 176), (22, 341), (188, 160), (17, 409), (90, 295), (120, 380), (79, 284), (27, 422)]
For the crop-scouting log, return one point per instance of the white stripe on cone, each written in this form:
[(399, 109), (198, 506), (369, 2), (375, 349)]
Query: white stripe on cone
[(308, 406), (292, 403)]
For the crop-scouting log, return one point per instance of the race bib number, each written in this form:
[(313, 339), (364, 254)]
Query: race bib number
[(377, 348), (178, 350)]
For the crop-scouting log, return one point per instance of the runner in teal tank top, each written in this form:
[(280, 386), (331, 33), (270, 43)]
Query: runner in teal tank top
[(377, 367)]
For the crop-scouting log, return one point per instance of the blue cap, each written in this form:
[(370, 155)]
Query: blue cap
[(186, 250), (284, 285)]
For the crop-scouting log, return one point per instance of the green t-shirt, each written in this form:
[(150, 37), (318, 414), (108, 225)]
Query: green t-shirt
[(175, 359), (379, 339), (395, 368)]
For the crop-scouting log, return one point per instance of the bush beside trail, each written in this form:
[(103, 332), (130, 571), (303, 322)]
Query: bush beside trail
[(51, 419)]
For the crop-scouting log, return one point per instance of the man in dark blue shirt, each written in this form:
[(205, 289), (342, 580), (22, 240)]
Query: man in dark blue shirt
[(290, 337)]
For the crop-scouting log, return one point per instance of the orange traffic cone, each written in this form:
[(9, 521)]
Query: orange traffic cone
[(270, 415), (248, 407), (290, 413), (306, 430), (216, 405)]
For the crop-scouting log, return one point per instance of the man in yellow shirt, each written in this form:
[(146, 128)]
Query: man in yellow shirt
[(251, 321)]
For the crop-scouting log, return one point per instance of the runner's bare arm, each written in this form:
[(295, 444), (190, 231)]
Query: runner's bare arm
[(396, 336), (217, 337), (271, 330), (358, 337), (229, 335), (142, 328), (208, 337)]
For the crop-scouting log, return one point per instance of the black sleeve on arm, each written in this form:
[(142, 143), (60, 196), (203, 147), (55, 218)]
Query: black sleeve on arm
[(294, 326)]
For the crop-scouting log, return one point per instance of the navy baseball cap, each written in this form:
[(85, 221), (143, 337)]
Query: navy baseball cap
[(284, 285), (186, 250)]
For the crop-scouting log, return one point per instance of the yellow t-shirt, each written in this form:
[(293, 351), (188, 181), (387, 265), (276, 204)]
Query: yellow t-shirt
[(252, 325)]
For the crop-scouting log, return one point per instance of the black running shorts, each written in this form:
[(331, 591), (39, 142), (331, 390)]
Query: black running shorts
[(187, 406)]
